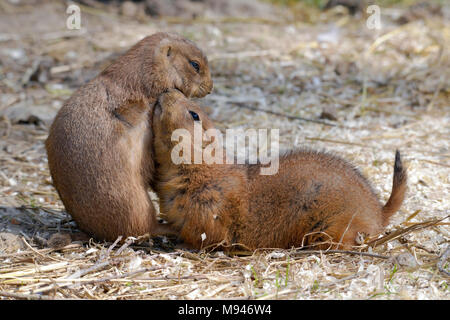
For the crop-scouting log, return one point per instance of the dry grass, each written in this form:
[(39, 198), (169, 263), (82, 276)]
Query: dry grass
[(387, 88)]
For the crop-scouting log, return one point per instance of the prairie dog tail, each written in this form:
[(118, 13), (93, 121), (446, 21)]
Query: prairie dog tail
[(398, 190)]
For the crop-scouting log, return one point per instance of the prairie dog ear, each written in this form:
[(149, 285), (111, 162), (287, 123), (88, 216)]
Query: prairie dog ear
[(164, 49), (170, 98)]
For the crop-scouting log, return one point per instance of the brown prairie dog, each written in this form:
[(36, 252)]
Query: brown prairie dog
[(314, 197), (100, 143)]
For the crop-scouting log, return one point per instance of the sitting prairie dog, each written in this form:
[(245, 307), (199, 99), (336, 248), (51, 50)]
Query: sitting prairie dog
[(99, 146), (315, 196)]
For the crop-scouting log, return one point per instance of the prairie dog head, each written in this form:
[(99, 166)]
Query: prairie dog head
[(177, 121), (184, 64)]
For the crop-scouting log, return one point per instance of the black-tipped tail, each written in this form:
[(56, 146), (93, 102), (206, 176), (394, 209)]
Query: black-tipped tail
[(398, 189)]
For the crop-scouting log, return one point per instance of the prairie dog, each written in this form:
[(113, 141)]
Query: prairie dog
[(99, 146), (315, 198)]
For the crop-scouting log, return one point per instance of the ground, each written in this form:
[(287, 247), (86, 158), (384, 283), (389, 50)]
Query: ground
[(368, 92)]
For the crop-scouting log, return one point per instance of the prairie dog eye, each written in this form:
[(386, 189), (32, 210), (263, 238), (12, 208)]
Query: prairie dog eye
[(194, 116), (195, 65)]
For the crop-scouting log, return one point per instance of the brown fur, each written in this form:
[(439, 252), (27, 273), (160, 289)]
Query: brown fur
[(99, 146), (314, 196)]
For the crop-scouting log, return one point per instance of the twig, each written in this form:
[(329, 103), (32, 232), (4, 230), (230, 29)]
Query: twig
[(290, 116), (130, 240), (83, 272), (23, 296), (436, 163), (111, 247), (245, 54), (125, 275), (343, 142), (390, 112), (40, 252), (355, 253), (398, 233), (37, 252), (10, 102), (33, 270), (191, 277), (276, 294), (242, 104)]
